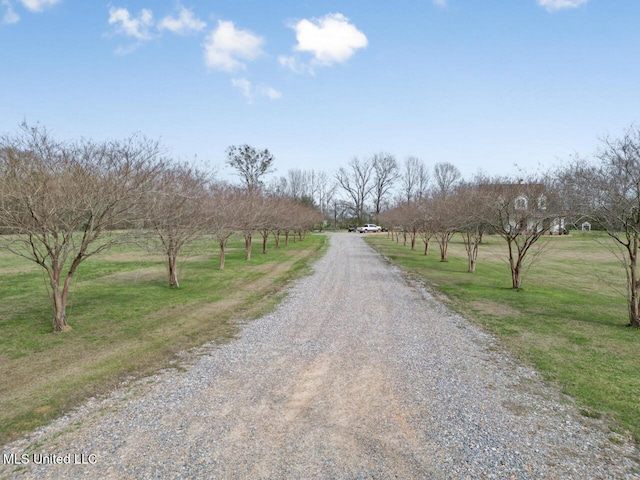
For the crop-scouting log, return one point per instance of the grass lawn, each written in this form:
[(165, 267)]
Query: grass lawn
[(126, 320), (569, 319)]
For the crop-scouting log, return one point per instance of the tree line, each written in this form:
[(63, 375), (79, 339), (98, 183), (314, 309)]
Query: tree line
[(601, 192), (64, 202), (417, 202)]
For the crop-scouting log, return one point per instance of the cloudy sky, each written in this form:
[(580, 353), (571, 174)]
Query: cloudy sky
[(479, 83)]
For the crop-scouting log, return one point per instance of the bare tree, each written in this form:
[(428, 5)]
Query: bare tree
[(248, 218), (385, 167), (442, 222), (302, 218), (426, 226), (341, 211), (325, 191), (470, 220), (267, 209), (357, 184), (414, 180), (298, 183), (609, 194), (412, 221), (279, 186), (280, 214), (308, 186), (58, 200), (251, 164), (522, 213), (175, 211), (446, 176), (224, 205)]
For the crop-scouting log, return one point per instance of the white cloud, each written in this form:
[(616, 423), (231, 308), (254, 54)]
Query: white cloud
[(132, 27), (553, 5), (250, 92), (293, 64), (330, 39), (227, 46), (183, 24), (38, 5), (126, 49), (268, 92), (440, 3), (244, 86), (10, 16)]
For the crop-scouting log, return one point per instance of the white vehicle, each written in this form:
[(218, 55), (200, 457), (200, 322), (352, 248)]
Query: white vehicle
[(369, 227)]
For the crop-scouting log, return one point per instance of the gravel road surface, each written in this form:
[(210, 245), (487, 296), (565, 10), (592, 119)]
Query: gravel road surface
[(359, 374)]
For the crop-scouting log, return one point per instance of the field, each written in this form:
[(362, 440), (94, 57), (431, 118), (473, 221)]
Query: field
[(569, 320), (126, 320)]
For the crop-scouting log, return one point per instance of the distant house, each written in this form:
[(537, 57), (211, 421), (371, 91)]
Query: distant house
[(527, 206)]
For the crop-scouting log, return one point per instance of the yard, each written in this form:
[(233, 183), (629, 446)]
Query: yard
[(126, 320), (569, 320)]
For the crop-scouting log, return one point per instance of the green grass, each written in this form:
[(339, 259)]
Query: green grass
[(126, 320), (569, 320)]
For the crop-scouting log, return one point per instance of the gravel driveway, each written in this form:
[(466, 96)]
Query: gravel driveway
[(359, 374)]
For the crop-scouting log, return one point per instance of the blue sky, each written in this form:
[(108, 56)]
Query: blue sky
[(479, 83)]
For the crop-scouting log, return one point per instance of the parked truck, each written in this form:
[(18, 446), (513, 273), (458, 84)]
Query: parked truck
[(369, 227)]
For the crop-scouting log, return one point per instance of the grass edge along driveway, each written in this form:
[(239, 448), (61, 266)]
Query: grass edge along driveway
[(127, 322), (568, 321)]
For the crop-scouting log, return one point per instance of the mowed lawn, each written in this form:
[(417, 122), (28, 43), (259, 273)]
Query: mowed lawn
[(126, 320), (569, 320)]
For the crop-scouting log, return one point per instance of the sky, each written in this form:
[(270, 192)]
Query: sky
[(491, 85)]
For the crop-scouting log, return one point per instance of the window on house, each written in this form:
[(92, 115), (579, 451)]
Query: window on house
[(521, 203), (542, 202)]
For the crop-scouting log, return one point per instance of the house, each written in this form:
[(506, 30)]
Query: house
[(528, 207)]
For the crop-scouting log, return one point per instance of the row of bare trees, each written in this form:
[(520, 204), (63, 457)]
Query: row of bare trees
[(520, 211), (603, 191), (64, 202), (374, 184)]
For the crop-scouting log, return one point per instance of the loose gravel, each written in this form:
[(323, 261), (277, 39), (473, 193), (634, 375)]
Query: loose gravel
[(359, 374)]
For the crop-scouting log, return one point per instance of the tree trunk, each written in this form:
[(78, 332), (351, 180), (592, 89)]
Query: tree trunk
[(444, 246), (286, 238), (173, 271), (634, 287), (265, 237), (473, 258), (471, 246), (516, 267), (413, 240), (426, 246), (59, 300), (247, 247), (516, 276), (222, 254)]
